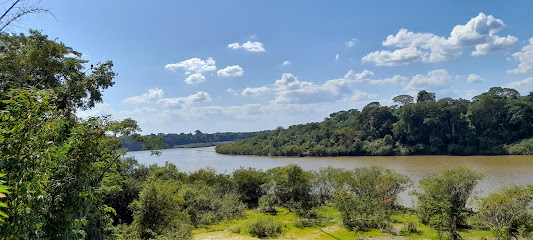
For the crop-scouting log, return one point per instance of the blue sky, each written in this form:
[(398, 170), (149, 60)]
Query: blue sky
[(223, 66)]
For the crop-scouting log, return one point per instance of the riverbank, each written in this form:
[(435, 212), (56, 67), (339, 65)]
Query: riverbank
[(331, 228)]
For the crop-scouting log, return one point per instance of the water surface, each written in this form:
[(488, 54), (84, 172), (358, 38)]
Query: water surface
[(498, 170)]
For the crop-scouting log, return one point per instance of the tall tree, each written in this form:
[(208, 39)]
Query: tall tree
[(425, 96), (34, 61), (403, 99)]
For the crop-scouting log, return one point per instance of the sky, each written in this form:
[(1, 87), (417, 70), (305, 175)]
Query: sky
[(233, 66)]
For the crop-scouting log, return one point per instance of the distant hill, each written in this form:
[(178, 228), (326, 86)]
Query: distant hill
[(189, 139), (499, 121)]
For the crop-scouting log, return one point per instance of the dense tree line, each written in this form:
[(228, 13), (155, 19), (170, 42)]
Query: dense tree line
[(173, 140), (499, 121)]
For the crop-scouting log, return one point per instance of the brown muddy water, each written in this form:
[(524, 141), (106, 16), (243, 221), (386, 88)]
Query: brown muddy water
[(498, 170)]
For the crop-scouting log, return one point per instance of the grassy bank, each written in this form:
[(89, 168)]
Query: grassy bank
[(331, 227)]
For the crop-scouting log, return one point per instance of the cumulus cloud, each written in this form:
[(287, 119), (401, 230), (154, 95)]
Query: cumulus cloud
[(248, 46), (285, 63), (193, 65), (437, 79), (397, 58), (363, 96), (479, 32), (358, 76), (291, 90), (397, 79), (524, 86), (184, 101), (495, 44), (474, 78), (525, 57), (230, 71), (195, 78), (152, 94), (350, 43), (260, 91)]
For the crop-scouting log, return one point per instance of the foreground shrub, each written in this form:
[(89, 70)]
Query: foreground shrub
[(370, 198), (410, 226), (265, 227), (442, 199), (158, 209), (507, 212)]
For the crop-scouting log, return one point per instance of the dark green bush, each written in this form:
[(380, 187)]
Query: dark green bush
[(265, 227)]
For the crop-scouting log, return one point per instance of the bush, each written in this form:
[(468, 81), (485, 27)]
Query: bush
[(265, 227), (158, 209), (248, 182), (524, 147), (410, 226), (180, 231), (442, 198)]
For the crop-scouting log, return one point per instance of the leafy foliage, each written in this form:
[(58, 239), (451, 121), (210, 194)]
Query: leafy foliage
[(447, 126), (265, 227), (56, 165), (442, 198), (507, 210), (3, 189), (290, 186), (370, 198), (34, 61)]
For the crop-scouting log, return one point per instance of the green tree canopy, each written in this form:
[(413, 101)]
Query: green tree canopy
[(34, 61)]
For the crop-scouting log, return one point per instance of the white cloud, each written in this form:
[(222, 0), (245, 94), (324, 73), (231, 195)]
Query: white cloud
[(230, 71), (184, 101), (358, 76), (479, 32), (285, 63), (397, 79), (195, 78), (474, 78), (525, 57), (363, 96), (495, 44), (290, 82), (248, 46), (145, 98), (398, 57), (437, 79), (350, 43), (260, 91), (291, 90), (337, 57), (524, 87), (193, 65)]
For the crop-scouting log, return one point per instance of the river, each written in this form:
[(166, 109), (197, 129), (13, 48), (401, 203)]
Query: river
[(498, 170)]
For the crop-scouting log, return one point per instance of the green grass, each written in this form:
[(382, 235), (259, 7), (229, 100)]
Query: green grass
[(331, 228)]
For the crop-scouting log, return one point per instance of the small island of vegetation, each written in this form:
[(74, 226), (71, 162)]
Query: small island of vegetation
[(497, 122)]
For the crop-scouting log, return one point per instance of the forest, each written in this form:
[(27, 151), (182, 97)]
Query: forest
[(497, 122), (173, 140)]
